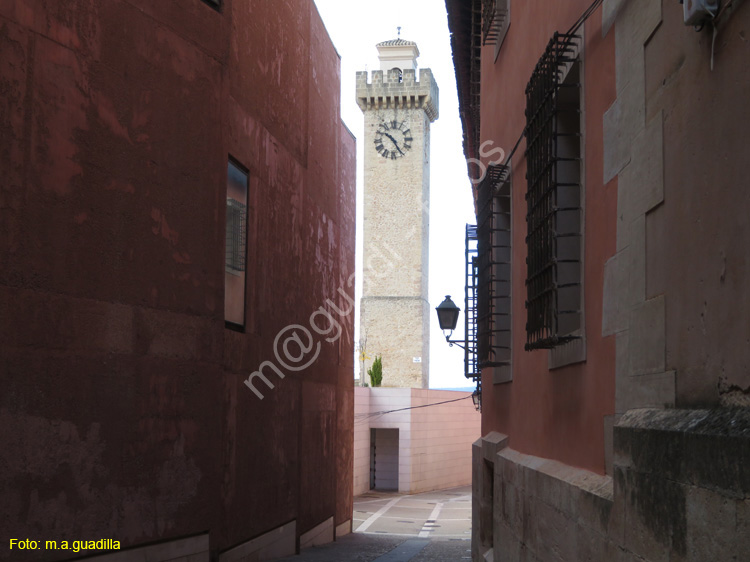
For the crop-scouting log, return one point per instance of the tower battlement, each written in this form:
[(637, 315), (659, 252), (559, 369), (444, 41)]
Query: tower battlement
[(394, 89)]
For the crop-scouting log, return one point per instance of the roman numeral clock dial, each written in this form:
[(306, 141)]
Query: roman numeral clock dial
[(393, 139)]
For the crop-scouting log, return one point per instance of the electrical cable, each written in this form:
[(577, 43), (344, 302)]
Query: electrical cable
[(377, 414), (586, 15)]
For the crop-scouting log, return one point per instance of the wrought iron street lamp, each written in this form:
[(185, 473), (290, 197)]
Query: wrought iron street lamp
[(447, 312), (476, 398)]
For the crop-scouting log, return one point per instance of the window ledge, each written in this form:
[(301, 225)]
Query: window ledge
[(569, 353), (502, 374)]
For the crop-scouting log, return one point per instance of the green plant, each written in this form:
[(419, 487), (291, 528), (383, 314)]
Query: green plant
[(376, 371)]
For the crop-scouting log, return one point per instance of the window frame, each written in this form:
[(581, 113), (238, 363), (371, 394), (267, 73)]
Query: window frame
[(554, 263), (236, 326), (495, 268)]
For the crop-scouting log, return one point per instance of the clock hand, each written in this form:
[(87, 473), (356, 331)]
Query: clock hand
[(395, 143)]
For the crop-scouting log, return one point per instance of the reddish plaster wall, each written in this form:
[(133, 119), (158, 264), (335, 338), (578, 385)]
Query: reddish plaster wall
[(123, 412), (559, 413)]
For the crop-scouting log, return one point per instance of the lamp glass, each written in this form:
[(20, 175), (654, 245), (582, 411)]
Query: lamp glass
[(447, 313)]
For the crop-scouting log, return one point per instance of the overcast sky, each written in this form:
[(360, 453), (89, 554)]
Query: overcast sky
[(355, 28)]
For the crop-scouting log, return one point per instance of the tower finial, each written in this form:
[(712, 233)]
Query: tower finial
[(399, 31)]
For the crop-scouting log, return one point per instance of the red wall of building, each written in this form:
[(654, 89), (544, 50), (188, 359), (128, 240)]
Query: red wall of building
[(123, 409), (559, 413)]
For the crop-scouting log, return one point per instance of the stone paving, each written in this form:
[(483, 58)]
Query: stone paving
[(390, 527)]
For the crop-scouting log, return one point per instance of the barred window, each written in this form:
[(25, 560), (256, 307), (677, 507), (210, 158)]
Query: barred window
[(236, 241), (494, 272), (554, 214), (471, 363)]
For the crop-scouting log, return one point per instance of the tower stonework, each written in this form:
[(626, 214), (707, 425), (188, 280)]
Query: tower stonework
[(395, 312)]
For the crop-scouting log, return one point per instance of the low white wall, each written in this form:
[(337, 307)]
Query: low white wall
[(434, 441)]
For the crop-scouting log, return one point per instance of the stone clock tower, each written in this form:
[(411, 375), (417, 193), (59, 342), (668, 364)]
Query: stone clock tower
[(395, 312)]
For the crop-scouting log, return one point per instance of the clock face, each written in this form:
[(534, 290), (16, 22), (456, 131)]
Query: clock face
[(393, 139)]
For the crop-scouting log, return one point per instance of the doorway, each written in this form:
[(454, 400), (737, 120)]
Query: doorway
[(383, 459)]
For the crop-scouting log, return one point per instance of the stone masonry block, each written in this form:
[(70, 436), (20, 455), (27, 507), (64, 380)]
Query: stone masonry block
[(609, 422), (553, 533), (514, 509), (643, 179), (630, 63), (597, 510), (592, 546), (650, 450), (636, 264), (614, 316), (555, 489), (654, 511), (398, 330), (743, 524), (492, 444), (510, 471), (476, 494), (702, 448), (623, 121), (622, 355), (638, 19), (648, 337), (610, 11), (507, 546), (645, 391), (712, 526), (640, 186), (721, 464)]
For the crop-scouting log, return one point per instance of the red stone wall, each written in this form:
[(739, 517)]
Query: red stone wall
[(123, 409)]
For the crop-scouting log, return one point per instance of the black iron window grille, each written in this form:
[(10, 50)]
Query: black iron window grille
[(471, 364), (494, 269), (495, 21), (554, 214), (236, 236), (472, 370)]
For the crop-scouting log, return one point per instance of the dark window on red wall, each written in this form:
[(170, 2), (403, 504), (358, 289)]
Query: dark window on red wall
[(494, 272), (235, 261)]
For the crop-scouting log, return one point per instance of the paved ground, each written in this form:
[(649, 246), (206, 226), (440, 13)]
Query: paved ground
[(433, 526)]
